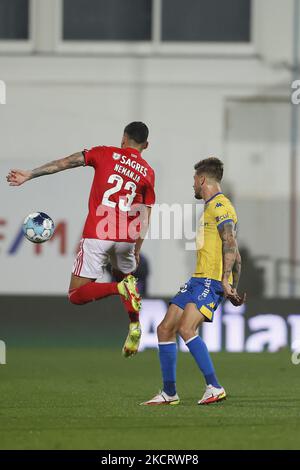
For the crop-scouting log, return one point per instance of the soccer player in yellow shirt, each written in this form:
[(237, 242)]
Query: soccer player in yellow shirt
[(216, 277)]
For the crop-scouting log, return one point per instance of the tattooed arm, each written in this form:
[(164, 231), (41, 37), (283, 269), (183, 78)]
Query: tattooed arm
[(231, 263), (18, 177), (236, 270)]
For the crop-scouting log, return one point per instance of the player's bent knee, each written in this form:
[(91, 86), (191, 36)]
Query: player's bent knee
[(161, 329), (186, 333), (75, 297), (164, 332)]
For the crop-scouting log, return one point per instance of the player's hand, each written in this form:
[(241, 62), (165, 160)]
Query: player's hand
[(17, 177), (237, 299), (232, 295)]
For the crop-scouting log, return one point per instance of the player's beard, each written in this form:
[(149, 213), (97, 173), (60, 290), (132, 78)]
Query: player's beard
[(198, 194)]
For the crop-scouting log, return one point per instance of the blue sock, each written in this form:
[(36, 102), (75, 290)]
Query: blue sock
[(199, 351), (168, 359)]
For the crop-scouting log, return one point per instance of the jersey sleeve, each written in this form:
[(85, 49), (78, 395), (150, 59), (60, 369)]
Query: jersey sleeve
[(91, 156), (149, 194), (224, 212)]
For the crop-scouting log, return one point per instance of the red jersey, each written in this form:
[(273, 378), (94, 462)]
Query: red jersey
[(122, 188)]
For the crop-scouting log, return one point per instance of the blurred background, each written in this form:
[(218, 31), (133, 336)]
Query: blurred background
[(209, 77)]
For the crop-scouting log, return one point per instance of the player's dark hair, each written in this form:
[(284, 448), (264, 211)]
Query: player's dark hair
[(211, 166), (137, 131)]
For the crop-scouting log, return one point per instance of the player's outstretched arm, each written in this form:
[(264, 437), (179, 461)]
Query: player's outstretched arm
[(231, 263), (17, 177)]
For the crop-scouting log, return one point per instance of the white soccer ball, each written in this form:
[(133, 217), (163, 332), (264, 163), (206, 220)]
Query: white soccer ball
[(38, 227)]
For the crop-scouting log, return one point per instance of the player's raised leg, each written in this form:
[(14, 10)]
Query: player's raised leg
[(83, 290), (167, 346), (92, 257), (188, 330)]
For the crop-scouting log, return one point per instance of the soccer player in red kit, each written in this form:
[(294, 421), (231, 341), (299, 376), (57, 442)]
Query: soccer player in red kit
[(120, 202)]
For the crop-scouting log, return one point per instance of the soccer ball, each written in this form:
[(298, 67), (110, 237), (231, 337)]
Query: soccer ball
[(38, 227)]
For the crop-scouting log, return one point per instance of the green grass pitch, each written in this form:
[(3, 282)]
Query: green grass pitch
[(89, 399)]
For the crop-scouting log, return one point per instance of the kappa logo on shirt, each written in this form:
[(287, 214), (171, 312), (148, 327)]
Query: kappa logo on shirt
[(219, 204), (116, 156), (222, 217)]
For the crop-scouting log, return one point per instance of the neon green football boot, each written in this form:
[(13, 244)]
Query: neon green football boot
[(132, 342), (128, 289)]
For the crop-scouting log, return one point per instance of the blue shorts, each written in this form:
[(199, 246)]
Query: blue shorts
[(206, 293)]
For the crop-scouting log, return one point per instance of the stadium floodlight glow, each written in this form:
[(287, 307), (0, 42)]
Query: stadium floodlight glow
[(2, 92), (2, 353)]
